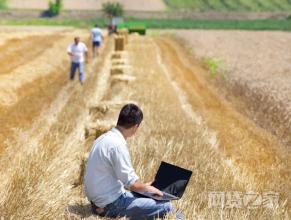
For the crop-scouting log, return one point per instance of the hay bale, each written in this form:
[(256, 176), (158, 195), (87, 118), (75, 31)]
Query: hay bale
[(117, 62), (120, 69), (117, 70), (119, 43), (98, 128), (123, 33), (116, 56), (99, 109), (82, 159), (119, 55), (123, 78), (90, 132), (117, 104)]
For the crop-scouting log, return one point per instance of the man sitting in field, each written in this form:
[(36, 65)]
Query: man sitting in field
[(109, 171)]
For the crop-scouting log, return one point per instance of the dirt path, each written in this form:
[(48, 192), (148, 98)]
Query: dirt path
[(243, 143)]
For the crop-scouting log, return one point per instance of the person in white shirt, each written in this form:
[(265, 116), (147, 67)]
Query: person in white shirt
[(76, 51), (109, 171), (97, 37)]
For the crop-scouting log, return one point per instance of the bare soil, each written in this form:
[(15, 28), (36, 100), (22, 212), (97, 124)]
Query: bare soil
[(150, 5)]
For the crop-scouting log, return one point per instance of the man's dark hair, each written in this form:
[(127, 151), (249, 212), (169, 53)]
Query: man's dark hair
[(96, 25), (129, 116)]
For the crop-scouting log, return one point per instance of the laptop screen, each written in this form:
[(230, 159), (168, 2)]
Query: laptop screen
[(172, 179)]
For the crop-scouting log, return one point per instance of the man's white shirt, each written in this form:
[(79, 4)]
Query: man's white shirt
[(96, 34), (108, 169), (77, 51)]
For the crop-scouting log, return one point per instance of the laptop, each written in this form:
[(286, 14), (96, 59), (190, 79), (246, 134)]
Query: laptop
[(171, 180)]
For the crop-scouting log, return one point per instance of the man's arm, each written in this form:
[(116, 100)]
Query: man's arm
[(138, 186), (125, 173), (91, 35), (69, 51), (86, 55)]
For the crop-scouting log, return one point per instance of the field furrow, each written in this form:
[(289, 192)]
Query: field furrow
[(180, 125), (31, 87), (252, 71), (16, 52), (58, 141), (245, 145), (230, 5)]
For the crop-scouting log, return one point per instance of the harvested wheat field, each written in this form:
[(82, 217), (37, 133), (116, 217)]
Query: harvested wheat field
[(49, 124), (257, 69)]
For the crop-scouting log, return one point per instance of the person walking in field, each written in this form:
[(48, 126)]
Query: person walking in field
[(109, 172), (97, 38), (77, 51)]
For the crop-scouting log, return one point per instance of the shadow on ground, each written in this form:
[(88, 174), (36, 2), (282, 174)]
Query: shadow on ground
[(80, 210)]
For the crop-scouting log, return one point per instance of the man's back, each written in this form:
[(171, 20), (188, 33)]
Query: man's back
[(96, 34), (108, 169)]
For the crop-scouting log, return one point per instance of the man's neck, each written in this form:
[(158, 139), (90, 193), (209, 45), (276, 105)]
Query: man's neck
[(123, 131)]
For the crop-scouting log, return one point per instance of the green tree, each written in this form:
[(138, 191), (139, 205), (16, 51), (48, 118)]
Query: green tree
[(55, 7), (113, 9), (3, 4)]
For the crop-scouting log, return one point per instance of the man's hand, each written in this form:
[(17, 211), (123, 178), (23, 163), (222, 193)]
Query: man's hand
[(154, 190), (138, 186), (149, 183)]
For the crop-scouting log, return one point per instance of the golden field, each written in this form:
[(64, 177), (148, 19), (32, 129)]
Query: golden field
[(48, 126)]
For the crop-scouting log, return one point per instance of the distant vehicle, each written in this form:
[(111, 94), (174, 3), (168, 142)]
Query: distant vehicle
[(133, 27)]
